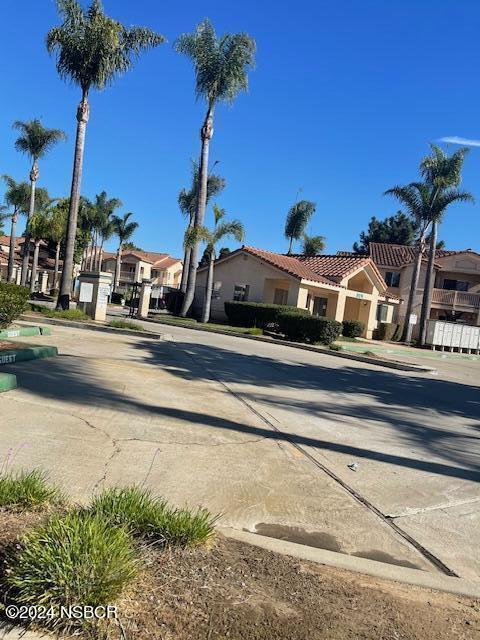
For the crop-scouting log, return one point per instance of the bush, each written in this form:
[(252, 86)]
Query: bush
[(116, 297), (386, 331), (28, 489), (126, 324), (142, 514), (65, 314), (77, 559), (352, 328), (257, 314), (13, 302), (303, 328)]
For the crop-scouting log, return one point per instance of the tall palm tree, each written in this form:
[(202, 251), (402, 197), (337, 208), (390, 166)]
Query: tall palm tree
[(17, 197), (442, 174), (34, 140), (297, 220), (124, 230), (92, 49), (39, 229), (56, 233), (416, 198), (188, 201), (220, 231), (221, 66), (313, 245)]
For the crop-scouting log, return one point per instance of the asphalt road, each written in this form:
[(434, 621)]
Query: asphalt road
[(265, 435)]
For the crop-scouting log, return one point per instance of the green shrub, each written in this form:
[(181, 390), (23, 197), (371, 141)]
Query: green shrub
[(77, 559), (352, 328), (125, 324), (28, 489), (13, 302), (386, 331), (145, 515), (303, 328), (257, 314)]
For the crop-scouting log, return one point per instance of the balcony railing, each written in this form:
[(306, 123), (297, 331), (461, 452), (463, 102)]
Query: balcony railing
[(456, 298)]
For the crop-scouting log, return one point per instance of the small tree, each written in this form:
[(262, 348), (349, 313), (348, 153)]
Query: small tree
[(17, 197), (56, 233), (313, 245), (221, 68), (124, 230), (40, 230), (297, 219), (188, 203), (220, 231), (34, 141), (92, 49), (13, 302)]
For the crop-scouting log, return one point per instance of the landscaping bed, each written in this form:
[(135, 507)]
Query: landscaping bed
[(194, 587)]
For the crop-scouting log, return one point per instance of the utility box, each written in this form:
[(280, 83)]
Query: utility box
[(94, 293)]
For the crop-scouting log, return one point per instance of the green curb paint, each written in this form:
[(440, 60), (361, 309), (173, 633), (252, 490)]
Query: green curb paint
[(19, 332), (12, 356), (7, 382)]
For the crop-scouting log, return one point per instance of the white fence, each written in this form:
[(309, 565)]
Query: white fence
[(449, 335)]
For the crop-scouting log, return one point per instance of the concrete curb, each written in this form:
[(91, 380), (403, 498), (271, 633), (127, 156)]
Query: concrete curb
[(92, 327), (28, 352), (7, 382), (415, 577), (389, 364), (24, 332)]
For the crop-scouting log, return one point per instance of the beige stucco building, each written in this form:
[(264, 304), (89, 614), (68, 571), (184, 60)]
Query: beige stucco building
[(46, 263), (340, 288), (456, 293), (136, 266)]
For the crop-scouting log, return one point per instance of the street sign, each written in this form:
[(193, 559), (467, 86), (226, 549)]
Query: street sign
[(413, 318)]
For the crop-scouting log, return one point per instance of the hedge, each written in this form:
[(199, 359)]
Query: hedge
[(352, 328), (302, 328), (13, 302), (258, 314), (388, 331)]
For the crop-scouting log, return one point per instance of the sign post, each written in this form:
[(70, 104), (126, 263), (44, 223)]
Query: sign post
[(94, 292)]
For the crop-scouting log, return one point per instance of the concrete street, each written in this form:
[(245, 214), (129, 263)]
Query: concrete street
[(262, 434)]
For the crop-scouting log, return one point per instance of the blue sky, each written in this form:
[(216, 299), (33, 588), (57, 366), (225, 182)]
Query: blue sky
[(343, 102)]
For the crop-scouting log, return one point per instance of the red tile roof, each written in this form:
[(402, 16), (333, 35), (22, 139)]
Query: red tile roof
[(288, 264), (335, 267), (399, 255)]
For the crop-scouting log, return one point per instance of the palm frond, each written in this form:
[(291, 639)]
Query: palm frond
[(234, 229), (298, 218), (194, 235), (313, 245), (91, 48), (221, 63), (35, 139)]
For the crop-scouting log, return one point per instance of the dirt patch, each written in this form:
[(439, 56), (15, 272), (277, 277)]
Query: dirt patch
[(238, 591), (242, 592), (5, 345)]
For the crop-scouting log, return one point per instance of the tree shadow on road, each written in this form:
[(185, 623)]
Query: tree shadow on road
[(403, 401)]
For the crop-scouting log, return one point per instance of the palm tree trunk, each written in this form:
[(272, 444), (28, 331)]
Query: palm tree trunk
[(90, 256), (83, 110), (429, 281), (209, 288), (186, 263), (407, 327), (206, 136), (34, 265), (118, 266), (290, 246), (100, 256), (11, 255), (26, 242), (57, 264)]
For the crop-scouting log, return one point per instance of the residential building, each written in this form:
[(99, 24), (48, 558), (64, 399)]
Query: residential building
[(46, 263), (162, 269), (338, 287), (456, 292)]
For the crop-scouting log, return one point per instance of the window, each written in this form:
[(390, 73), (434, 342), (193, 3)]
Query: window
[(392, 278), (280, 296), (455, 285), (240, 292), (320, 306), (382, 312)]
